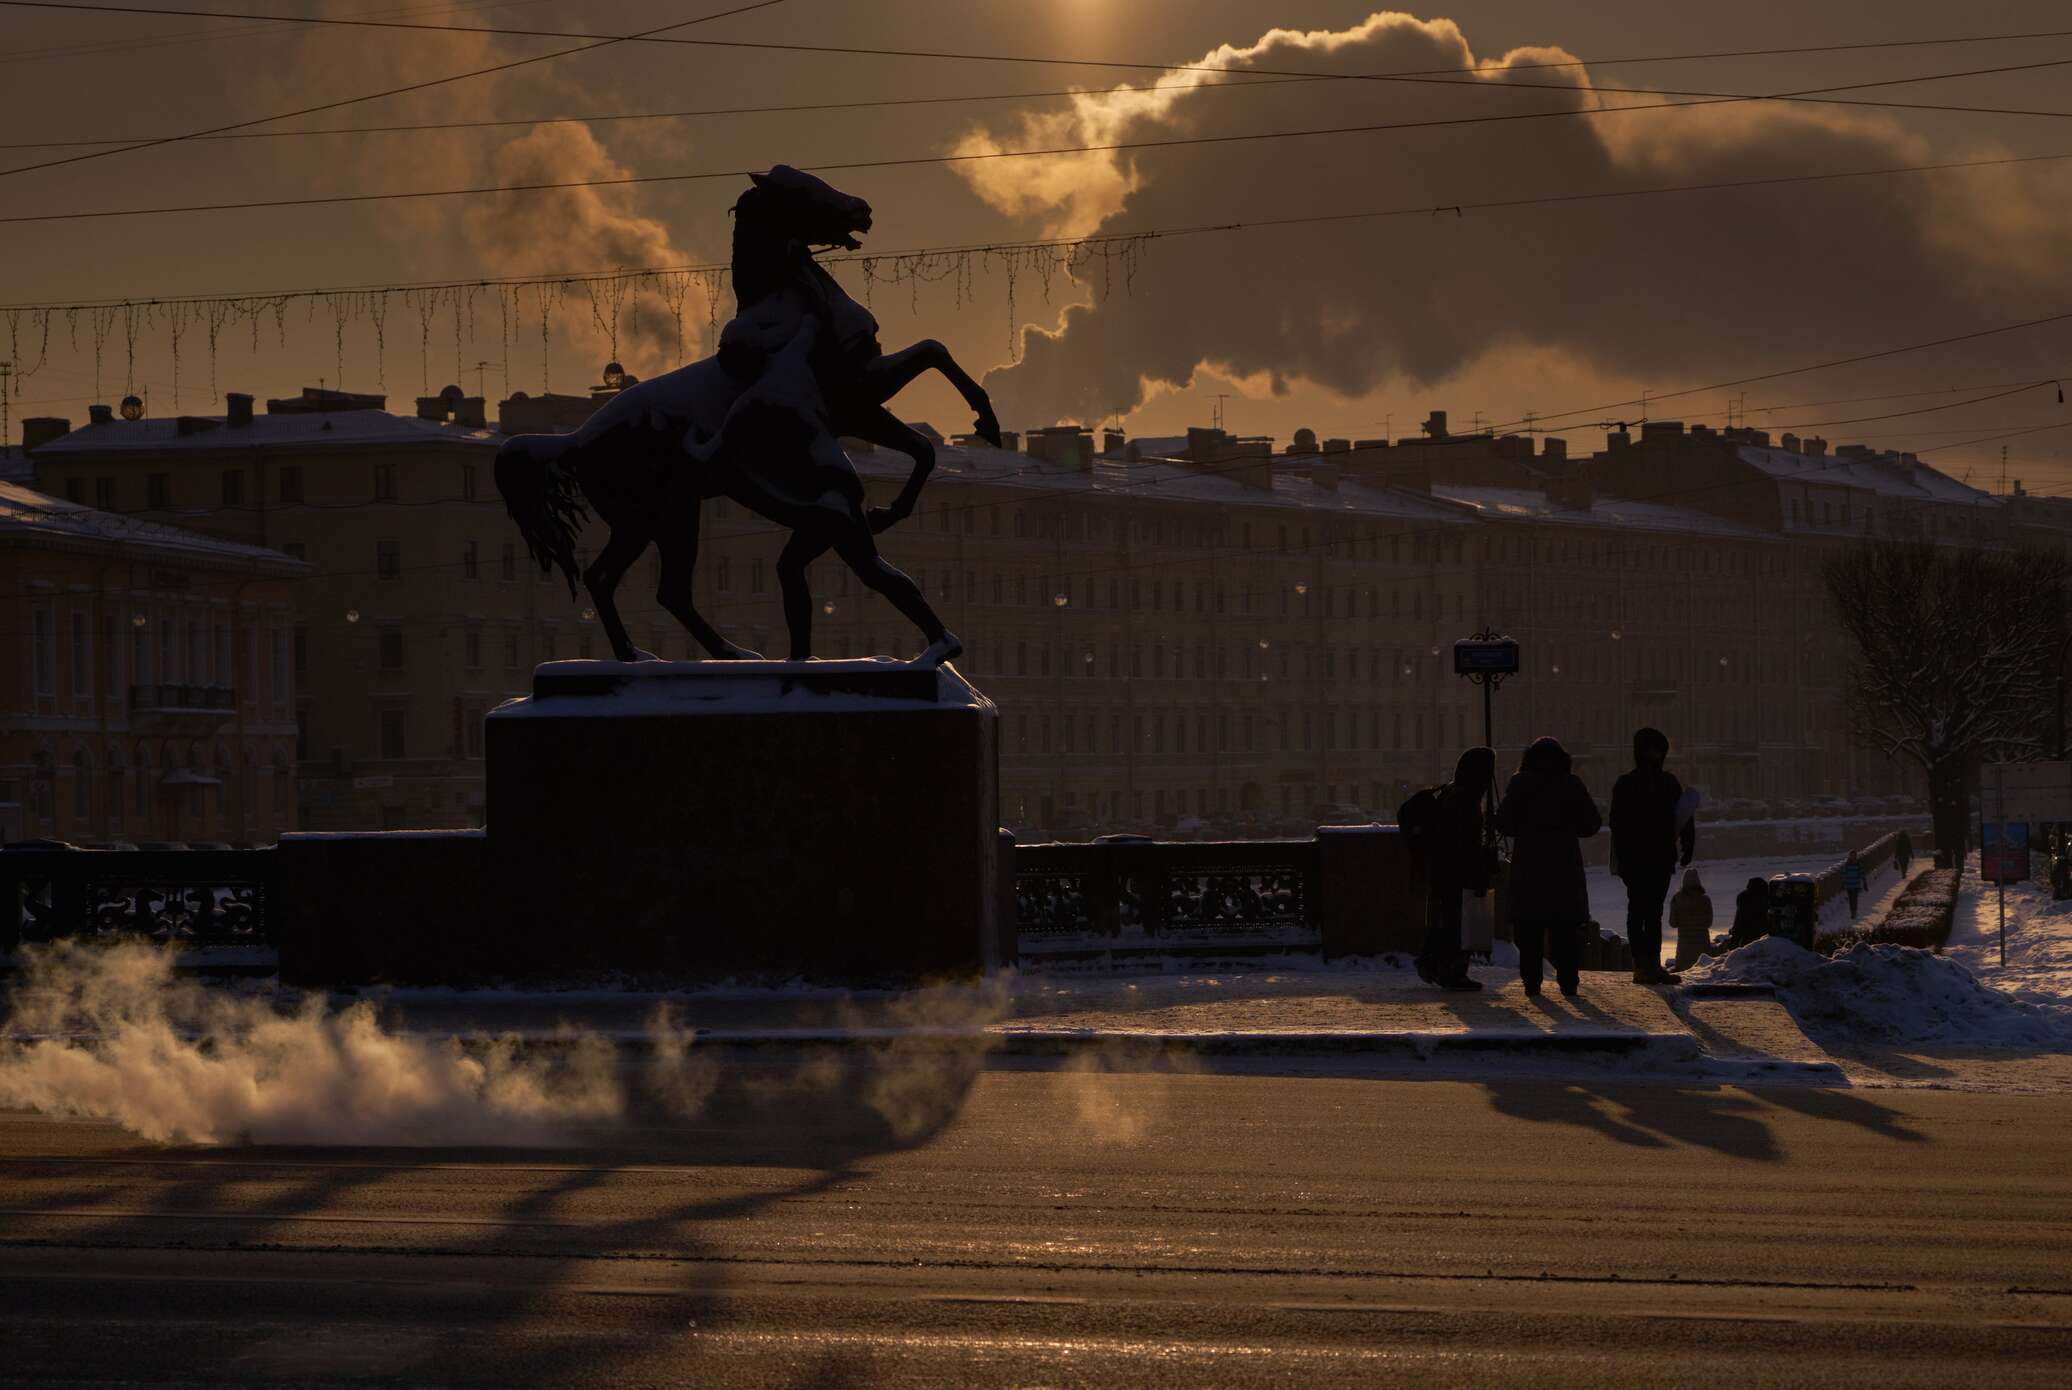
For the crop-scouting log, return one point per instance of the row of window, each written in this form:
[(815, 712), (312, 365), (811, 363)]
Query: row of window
[(167, 651), (1284, 731), (235, 488)]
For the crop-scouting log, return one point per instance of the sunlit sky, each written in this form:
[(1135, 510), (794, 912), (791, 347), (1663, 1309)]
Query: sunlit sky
[(1337, 327)]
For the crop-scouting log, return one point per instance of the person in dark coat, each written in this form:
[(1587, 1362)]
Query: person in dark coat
[(1648, 844), (1547, 812), (1457, 860), (1751, 913), (1903, 852)]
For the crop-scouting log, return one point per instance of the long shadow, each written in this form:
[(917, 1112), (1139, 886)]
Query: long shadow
[(815, 1118), (1643, 1116)]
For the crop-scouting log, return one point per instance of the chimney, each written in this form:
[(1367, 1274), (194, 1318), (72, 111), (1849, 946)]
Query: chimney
[(39, 430), (1816, 446), (100, 414), (472, 412), (431, 408), (1435, 425), (237, 410), (1554, 450), (1112, 441), (1616, 440), (1790, 443), (192, 424)]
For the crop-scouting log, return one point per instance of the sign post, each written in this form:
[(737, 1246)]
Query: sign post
[(1485, 659), (2015, 796)]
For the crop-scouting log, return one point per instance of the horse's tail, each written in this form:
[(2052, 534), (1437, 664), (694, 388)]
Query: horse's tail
[(542, 496)]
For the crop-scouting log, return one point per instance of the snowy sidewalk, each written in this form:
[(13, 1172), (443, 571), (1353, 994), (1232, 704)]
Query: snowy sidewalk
[(1374, 1010)]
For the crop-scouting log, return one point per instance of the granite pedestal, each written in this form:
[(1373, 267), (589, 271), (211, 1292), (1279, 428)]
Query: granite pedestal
[(831, 820)]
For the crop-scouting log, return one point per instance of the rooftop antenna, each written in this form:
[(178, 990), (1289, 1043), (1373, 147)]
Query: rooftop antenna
[(1217, 420), (481, 376), (1388, 425), (2003, 470), (6, 371)]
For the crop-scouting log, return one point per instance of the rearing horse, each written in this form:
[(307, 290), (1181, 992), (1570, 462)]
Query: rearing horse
[(629, 461)]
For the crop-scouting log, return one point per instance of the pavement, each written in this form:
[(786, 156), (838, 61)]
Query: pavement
[(1060, 1223)]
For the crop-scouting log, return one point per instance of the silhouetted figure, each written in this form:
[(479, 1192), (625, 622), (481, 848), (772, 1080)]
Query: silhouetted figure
[(759, 422), (1751, 914), (1690, 913), (1902, 852), (1852, 881), (1547, 812), (1450, 833), (1646, 841)]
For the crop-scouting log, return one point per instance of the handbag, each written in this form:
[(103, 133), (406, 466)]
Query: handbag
[(1477, 923)]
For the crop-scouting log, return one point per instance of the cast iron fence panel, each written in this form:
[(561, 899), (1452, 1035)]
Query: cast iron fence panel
[(189, 897), (1259, 890)]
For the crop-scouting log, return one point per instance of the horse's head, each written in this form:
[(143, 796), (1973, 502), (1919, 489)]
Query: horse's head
[(805, 209)]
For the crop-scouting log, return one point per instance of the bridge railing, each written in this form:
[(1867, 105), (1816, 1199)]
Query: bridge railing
[(1207, 891), (193, 897)]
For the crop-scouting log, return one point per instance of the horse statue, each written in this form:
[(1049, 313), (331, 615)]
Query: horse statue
[(759, 422)]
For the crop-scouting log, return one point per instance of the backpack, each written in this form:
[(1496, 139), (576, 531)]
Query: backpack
[(1418, 818)]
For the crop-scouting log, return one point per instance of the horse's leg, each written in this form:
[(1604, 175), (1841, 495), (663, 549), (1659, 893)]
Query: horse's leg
[(679, 547), (880, 426), (802, 550), (602, 578), (859, 550), (890, 374)]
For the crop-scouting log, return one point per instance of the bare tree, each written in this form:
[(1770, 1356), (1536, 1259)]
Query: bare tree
[(1954, 660)]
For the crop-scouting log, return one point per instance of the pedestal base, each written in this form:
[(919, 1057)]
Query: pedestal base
[(833, 820)]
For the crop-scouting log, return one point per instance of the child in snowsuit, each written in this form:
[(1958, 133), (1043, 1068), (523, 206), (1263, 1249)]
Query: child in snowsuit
[(1690, 913)]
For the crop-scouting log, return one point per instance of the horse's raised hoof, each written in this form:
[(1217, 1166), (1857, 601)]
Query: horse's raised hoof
[(987, 427), (737, 654), (941, 652), (642, 654)]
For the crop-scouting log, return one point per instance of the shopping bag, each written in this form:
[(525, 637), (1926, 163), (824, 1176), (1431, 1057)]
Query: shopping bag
[(1477, 923)]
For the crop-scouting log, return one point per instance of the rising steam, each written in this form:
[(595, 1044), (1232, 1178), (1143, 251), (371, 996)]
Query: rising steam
[(1712, 281)]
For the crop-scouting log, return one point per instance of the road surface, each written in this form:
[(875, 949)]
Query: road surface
[(1081, 1227)]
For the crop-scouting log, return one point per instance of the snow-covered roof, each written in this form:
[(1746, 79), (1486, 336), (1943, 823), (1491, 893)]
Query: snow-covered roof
[(25, 512), (15, 466), (1885, 474), (1525, 504), (1160, 481), (326, 429)]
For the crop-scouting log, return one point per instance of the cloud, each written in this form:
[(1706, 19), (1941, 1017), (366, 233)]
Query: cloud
[(1701, 282)]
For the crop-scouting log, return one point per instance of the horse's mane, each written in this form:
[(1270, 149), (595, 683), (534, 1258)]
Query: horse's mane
[(759, 264)]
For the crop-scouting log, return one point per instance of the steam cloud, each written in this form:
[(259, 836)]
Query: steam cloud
[(1706, 281), (113, 1033)]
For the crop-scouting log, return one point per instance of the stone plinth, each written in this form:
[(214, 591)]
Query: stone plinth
[(834, 820)]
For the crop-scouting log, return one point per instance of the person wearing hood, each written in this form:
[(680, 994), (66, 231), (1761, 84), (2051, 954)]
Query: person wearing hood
[(1690, 912), (1547, 813), (1457, 859), (1649, 838), (1751, 914)]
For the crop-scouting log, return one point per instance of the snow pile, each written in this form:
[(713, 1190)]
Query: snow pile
[(1891, 994)]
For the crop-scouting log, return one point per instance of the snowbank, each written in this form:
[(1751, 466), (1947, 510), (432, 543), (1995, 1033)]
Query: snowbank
[(1891, 994)]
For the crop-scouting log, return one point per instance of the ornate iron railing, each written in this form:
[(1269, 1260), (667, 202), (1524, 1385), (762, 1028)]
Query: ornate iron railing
[(193, 897), (1175, 892)]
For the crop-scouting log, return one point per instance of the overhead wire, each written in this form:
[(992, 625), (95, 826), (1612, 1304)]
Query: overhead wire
[(1074, 92), (603, 41), (1460, 208)]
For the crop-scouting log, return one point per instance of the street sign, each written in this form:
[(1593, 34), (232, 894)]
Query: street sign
[(1478, 657), (2003, 853), (2033, 793)]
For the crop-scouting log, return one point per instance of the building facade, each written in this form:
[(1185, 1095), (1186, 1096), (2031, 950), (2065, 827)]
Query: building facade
[(1192, 634), (149, 693)]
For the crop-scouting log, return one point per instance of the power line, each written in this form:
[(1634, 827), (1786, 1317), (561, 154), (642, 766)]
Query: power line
[(631, 180), (1927, 409), (1895, 395), (97, 47), (1817, 94), (603, 41), (843, 50), (1226, 85)]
